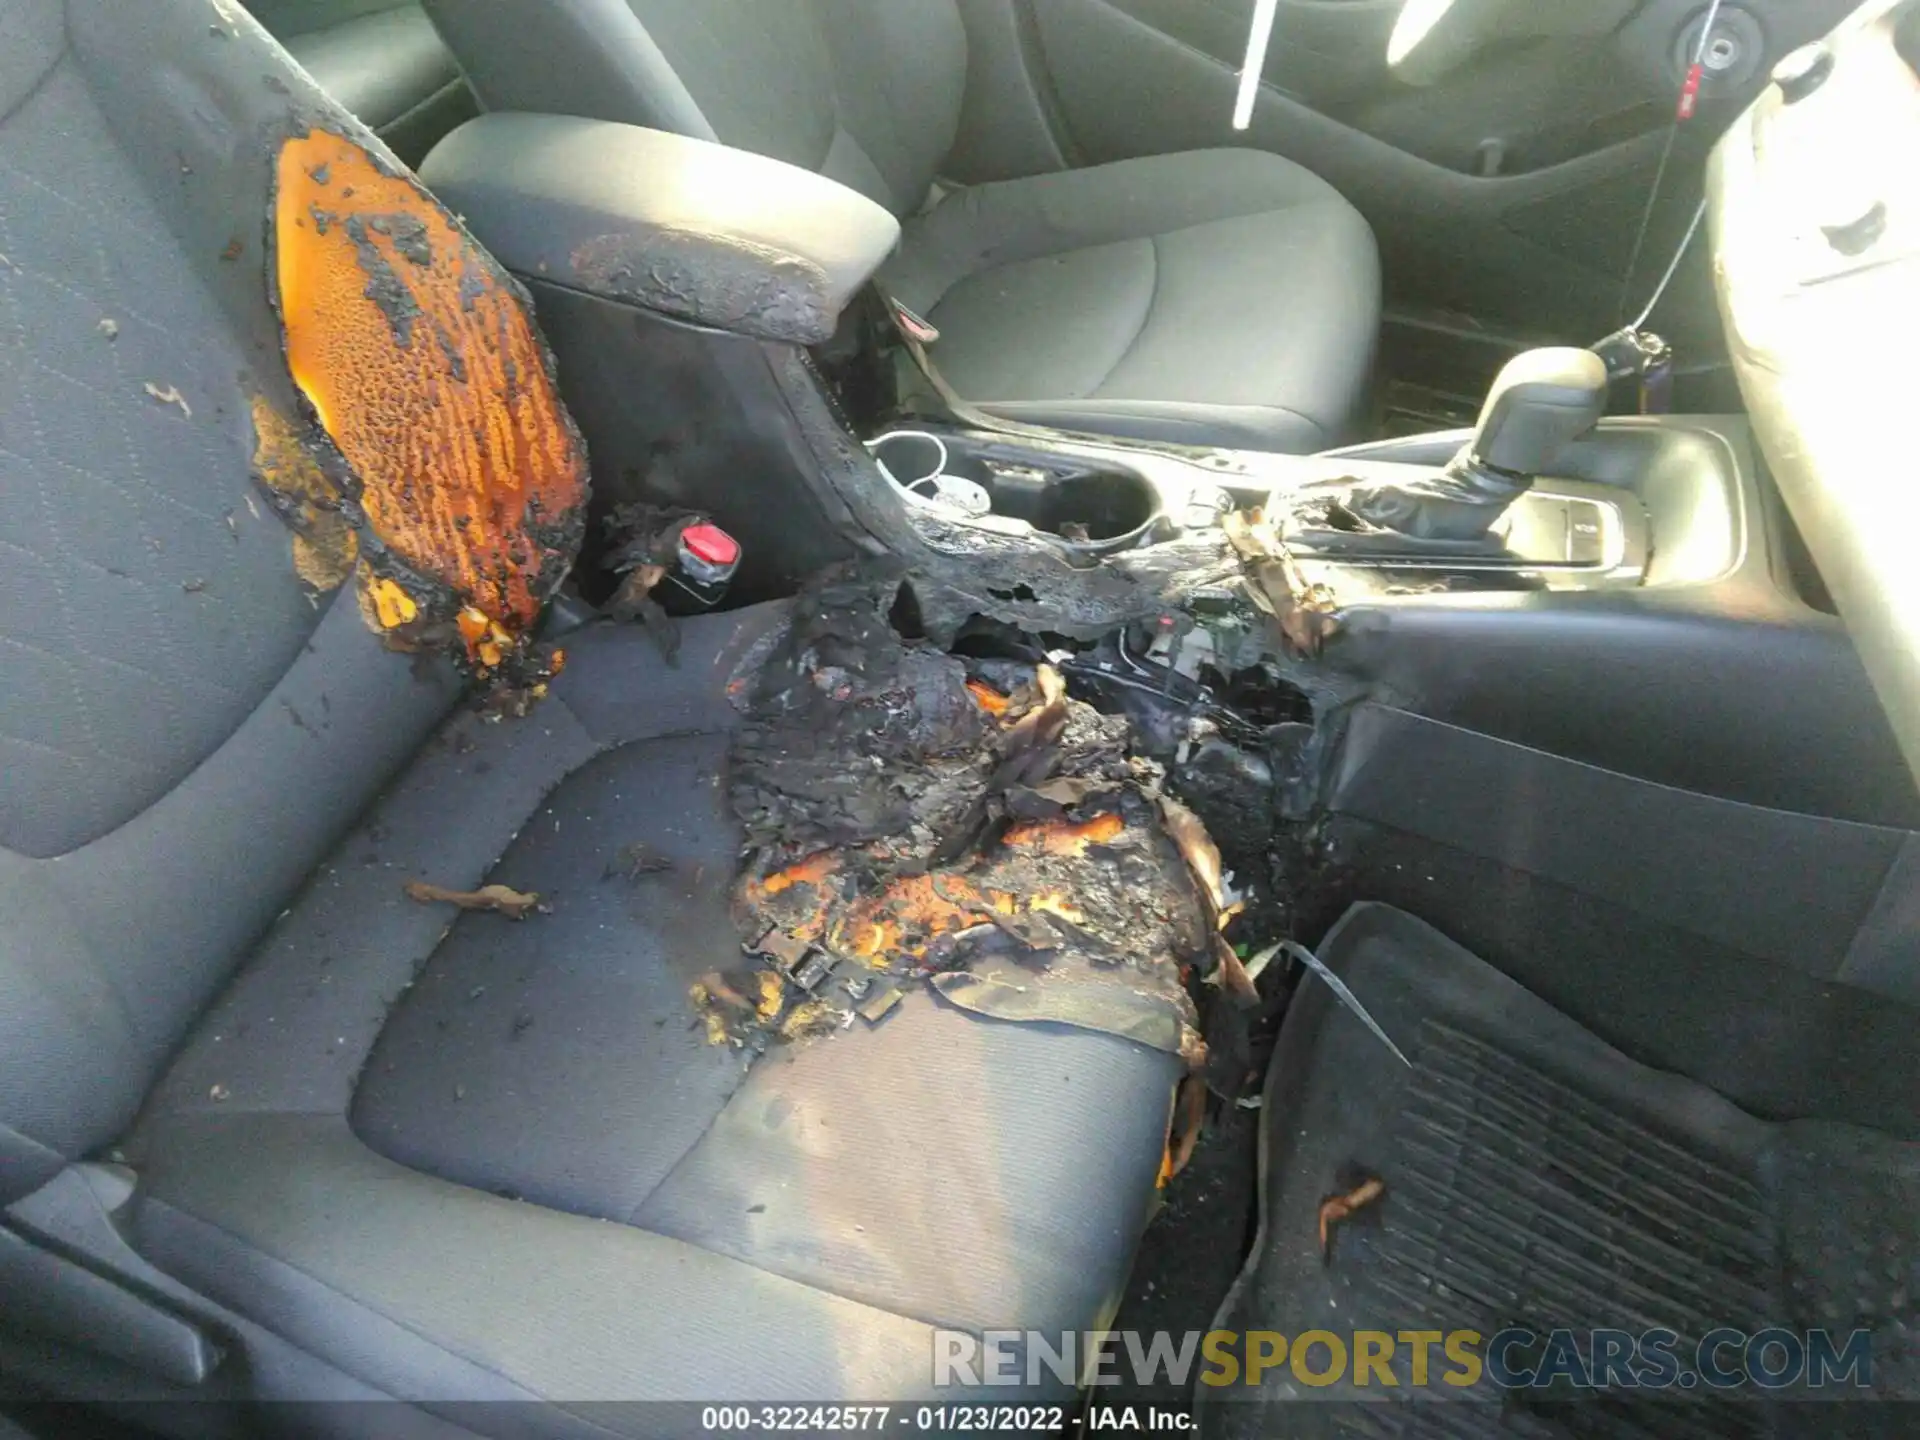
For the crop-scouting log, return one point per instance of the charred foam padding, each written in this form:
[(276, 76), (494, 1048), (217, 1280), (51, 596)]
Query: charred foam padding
[(463, 473), (912, 824), (326, 548)]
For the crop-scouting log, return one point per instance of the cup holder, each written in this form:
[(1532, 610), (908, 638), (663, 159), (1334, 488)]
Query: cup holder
[(969, 478), (1098, 506)]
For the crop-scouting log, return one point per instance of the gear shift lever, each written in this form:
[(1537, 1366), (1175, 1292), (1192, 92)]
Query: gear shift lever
[(1542, 401)]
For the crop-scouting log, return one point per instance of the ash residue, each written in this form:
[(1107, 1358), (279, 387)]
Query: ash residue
[(916, 818), (409, 236), (855, 735), (384, 287)]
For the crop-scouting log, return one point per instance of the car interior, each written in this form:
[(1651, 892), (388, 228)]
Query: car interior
[(698, 689)]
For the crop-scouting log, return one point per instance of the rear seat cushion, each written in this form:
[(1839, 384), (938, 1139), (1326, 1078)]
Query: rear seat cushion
[(939, 1169)]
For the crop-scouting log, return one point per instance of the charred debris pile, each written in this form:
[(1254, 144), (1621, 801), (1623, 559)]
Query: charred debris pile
[(1093, 834)]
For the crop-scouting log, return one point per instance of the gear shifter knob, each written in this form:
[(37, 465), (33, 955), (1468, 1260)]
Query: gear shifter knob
[(1540, 403)]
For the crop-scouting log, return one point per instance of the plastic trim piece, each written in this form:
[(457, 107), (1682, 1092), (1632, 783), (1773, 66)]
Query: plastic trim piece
[(1815, 331)]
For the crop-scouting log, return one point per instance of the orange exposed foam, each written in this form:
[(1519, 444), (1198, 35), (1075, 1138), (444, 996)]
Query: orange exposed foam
[(1058, 904), (421, 363), (903, 917), (988, 698), (909, 912), (1067, 837), (810, 871)]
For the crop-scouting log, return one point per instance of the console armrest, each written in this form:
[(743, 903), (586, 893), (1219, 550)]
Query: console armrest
[(722, 237)]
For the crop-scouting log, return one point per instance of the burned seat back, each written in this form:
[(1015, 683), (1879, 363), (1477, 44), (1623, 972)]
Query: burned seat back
[(254, 385)]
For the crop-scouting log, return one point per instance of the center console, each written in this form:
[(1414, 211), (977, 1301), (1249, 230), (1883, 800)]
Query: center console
[(1636, 503), (1644, 607), (1628, 594)]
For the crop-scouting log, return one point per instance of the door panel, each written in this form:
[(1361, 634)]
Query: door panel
[(1509, 188)]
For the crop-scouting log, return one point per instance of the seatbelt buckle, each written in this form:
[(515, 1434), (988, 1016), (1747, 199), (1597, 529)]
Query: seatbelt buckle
[(917, 329), (1655, 373), (704, 561)]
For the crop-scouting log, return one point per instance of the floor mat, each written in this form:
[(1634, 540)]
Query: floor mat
[(1536, 1179)]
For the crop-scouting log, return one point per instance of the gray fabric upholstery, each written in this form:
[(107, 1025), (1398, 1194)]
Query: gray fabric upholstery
[(168, 689), (532, 1059), (867, 92), (968, 1172), (1220, 297), (137, 630), (788, 1232), (723, 237), (111, 950), (432, 1291), (1224, 296), (939, 1169)]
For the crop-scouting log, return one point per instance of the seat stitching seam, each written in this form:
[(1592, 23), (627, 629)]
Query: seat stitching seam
[(40, 81), (72, 202), (973, 270), (633, 1215), (345, 1295), (755, 1265), (1146, 316), (7, 737), (426, 1339), (109, 662)]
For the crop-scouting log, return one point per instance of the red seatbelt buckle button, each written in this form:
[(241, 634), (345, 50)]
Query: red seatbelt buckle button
[(709, 553), (916, 329)]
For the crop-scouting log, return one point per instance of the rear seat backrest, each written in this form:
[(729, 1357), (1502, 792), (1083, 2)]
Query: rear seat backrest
[(182, 731), (866, 92)]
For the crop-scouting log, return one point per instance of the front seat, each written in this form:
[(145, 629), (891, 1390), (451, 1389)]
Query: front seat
[(1220, 297), (269, 1129)]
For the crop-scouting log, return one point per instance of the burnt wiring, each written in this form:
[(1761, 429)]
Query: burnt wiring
[(1165, 682), (1194, 699)]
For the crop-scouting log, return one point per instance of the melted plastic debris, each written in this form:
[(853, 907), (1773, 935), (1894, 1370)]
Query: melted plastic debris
[(913, 824), (464, 478), (1183, 1127), (1306, 614), (325, 545), (645, 542), (853, 736)]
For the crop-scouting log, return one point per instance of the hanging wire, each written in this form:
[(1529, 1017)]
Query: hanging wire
[(1659, 178)]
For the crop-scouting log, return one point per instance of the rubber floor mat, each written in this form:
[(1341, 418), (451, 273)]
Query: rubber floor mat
[(1537, 1180)]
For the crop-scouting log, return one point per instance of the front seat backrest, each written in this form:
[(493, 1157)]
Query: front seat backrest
[(185, 725), (866, 92)]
